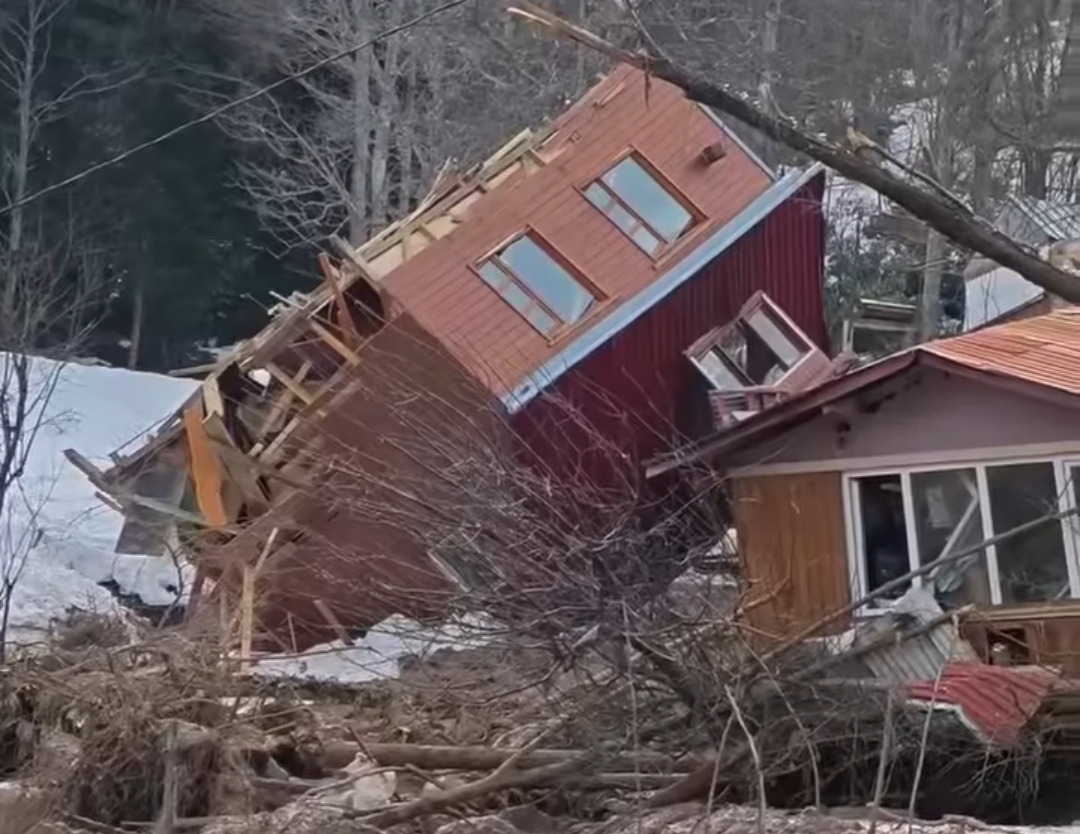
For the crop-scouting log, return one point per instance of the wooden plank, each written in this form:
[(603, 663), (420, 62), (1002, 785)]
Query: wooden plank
[(281, 405), (345, 319), (289, 382), (792, 547), (205, 468), (333, 622), (213, 404), (349, 355), (247, 615)]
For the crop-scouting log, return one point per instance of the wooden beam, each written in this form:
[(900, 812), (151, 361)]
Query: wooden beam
[(281, 404), (349, 355), (93, 474), (333, 622), (213, 404), (247, 615), (289, 382), (205, 468), (345, 319)]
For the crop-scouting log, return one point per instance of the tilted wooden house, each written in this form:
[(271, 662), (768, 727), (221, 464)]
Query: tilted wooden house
[(568, 273)]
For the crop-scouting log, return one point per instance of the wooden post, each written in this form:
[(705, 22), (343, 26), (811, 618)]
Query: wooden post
[(247, 616), (170, 790)]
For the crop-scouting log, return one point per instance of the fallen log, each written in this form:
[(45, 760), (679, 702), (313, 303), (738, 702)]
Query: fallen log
[(338, 754)]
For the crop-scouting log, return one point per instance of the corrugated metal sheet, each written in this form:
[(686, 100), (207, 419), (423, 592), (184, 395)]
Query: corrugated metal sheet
[(995, 701), (916, 658), (1043, 350), (639, 391), (1059, 221)]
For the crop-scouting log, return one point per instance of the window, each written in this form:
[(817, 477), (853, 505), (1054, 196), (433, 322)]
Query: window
[(636, 202), (535, 284), (757, 349), (904, 520)]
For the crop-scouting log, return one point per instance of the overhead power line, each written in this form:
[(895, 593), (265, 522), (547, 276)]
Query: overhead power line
[(225, 108)]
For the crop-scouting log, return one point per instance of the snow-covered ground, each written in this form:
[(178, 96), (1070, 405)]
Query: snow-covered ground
[(94, 410)]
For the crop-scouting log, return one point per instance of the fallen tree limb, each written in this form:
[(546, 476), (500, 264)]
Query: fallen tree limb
[(500, 780), (955, 222), (339, 754)]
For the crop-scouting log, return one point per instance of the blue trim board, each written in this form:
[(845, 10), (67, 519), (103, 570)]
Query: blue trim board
[(720, 241)]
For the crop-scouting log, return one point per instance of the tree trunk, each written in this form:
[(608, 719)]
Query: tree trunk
[(361, 162), (930, 296), (137, 316)]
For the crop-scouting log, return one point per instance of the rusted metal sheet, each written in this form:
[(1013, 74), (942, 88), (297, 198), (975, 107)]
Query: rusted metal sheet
[(639, 391), (1044, 350), (996, 702)]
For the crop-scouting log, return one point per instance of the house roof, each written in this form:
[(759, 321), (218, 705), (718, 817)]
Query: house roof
[(1040, 356), (1058, 221)]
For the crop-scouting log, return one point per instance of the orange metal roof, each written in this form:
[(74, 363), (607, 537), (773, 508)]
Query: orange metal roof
[(1044, 350)]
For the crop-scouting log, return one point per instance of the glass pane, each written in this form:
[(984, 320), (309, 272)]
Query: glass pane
[(883, 531), (948, 520), (719, 373), (517, 298), (599, 197), (1032, 565), (774, 336), (639, 190), (547, 280)]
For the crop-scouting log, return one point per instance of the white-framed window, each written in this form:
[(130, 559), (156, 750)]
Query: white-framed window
[(902, 519), (759, 348), (644, 207)]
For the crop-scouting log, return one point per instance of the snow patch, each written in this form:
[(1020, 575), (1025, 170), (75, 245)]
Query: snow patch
[(66, 534), (378, 655)]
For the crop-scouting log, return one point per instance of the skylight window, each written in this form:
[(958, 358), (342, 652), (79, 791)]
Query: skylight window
[(538, 286), (635, 201), (757, 349)]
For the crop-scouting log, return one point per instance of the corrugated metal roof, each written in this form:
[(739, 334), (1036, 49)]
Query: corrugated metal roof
[(1044, 350), (1060, 221), (995, 701)]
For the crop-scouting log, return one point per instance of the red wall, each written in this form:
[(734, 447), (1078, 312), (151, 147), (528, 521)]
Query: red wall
[(639, 390)]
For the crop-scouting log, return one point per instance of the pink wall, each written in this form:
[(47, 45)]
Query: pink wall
[(929, 411)]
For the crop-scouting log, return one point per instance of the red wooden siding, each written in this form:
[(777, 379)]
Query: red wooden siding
[(639, 391)]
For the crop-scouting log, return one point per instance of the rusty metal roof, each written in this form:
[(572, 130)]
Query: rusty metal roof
[(994, 701), (1044, 350)]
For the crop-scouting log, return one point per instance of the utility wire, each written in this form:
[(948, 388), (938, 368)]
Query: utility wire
[(225, 108)]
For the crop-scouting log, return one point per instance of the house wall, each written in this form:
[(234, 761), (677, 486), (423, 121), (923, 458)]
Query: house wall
[(791, 544), (356, 541), (924, 413), (639, 390), (440, 287)]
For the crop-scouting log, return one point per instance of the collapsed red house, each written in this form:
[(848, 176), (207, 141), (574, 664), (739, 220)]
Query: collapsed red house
[(567, 275)]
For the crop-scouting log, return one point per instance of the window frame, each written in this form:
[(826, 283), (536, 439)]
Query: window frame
[(492, 256), (711, 343), (697, 216), (853, 532)]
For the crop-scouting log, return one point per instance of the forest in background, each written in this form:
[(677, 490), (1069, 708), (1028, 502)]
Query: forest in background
[(180, 246)]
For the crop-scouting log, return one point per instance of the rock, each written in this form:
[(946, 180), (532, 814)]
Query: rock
[(478, 825)]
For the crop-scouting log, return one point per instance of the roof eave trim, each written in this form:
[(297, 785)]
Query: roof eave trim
[(718, 243)]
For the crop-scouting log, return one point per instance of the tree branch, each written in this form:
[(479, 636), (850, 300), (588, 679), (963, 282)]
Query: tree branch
[(956, 223)]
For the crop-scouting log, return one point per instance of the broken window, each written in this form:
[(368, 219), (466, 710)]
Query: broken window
[(757, 349), (1032, 565), (536, 284), (948, 520), (905, 520), (635, 201)]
